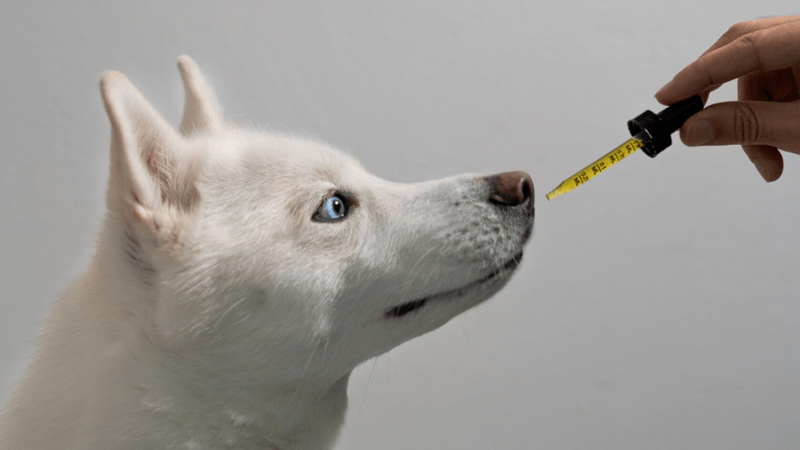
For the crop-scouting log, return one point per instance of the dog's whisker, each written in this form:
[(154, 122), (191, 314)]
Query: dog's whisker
[(366, 387), (303, 375), (418, 267), (325, 349)]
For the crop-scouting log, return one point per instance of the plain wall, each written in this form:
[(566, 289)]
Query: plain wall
[(657, 306)]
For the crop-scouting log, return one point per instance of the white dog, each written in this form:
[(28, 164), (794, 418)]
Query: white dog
[(240, 276)]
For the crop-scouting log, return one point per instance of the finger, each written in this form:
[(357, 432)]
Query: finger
[(767, 159), (705, 95), (796, 79), (737, 31), (766, 49), (772, 86), (745, 123), (740, 29)]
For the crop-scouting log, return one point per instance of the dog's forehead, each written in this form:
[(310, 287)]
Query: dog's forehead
[(266, 151), (268, 163)]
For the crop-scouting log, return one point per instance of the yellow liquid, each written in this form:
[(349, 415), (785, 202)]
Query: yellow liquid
[(593, 169)]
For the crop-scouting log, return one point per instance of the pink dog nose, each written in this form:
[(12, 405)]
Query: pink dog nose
[(511, 188)]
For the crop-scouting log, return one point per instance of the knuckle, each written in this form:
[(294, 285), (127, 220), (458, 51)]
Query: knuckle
[(737, 30), (746, 127), (741, 29)]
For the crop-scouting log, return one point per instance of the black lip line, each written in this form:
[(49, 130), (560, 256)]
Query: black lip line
[(405, 308)]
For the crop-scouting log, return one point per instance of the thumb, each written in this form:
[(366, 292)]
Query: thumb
[(745, 123)]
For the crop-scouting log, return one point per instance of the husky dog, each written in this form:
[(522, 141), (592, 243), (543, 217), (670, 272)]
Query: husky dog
[(240, 276)]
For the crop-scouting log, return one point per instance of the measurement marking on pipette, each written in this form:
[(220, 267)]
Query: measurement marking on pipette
[(608, 160)]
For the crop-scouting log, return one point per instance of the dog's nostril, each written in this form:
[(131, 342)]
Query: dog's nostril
[(511, 188)]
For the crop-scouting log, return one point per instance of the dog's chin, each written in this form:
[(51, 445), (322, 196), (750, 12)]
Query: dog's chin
[(489, 283)]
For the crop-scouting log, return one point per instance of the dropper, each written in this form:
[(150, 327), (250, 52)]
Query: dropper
[(651, 132)]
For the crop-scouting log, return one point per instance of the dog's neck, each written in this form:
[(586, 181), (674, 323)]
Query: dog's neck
[(297, 417), (182, 397)]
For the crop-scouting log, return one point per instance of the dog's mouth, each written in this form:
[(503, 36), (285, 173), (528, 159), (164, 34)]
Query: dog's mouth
[(405, 308)]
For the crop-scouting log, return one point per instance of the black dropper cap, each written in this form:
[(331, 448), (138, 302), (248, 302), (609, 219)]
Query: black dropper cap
[(655, 129)]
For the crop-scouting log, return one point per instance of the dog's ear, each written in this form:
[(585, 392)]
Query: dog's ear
[(152, 176), (201, 112)]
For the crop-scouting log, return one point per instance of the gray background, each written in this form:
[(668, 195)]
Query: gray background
[(657, 307)]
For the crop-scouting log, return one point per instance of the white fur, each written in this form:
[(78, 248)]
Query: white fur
[(217, 314)]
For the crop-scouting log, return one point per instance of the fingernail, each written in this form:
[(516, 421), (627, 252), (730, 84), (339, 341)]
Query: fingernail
[(763, 170), (699, 133)]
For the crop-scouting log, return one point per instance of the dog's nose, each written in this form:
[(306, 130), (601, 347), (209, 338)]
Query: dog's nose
[(510, 188)]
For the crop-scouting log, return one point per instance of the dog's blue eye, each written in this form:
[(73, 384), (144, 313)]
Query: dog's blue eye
[(332, 209)]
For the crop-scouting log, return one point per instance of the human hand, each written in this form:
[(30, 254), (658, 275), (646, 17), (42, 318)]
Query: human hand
[(764, 55)]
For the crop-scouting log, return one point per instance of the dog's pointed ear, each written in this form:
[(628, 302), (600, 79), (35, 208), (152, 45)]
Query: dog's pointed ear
[(151, 173), (201, 112)]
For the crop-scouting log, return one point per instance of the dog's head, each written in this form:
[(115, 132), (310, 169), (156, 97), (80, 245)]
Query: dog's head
[(264, 255)]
